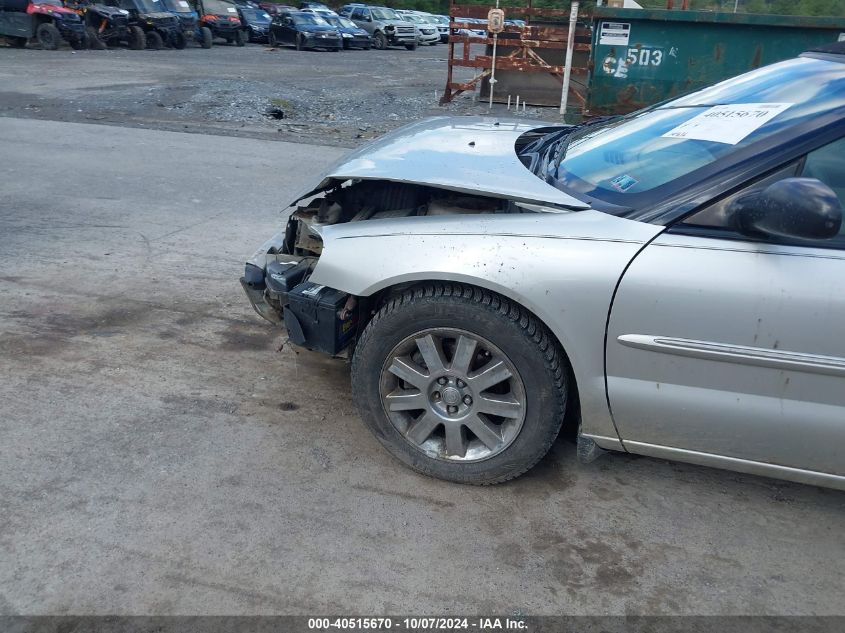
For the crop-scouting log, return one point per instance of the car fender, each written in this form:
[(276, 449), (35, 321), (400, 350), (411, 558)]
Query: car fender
[(562, 267)]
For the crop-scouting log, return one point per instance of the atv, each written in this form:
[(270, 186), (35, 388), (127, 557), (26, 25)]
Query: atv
[(107, 26), (160, 27), (222, 19), (189, 21), (45, 20)]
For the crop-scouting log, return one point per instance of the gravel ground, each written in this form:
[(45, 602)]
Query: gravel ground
[(340, 99)]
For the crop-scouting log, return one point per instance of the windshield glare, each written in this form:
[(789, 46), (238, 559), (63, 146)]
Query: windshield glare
[(309, 19), (342, 22), (256, 15), (385, 14), (177, 6), (634, 154)]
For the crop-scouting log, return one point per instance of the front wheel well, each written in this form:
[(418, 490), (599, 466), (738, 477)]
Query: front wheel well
[(370, 306)]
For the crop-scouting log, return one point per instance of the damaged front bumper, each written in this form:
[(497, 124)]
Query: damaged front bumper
[(315, 316), (253, 280)]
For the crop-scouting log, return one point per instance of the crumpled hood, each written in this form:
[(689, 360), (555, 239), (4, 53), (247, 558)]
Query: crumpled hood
[(472, 155)]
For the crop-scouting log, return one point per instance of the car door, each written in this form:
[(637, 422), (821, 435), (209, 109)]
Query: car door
[(721, 345), (361, 17), (287, 31)]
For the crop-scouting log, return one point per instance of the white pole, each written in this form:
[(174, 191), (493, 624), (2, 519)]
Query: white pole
[(509, 102), (570, 45), (517, 103), (736, 5), (493, 66)]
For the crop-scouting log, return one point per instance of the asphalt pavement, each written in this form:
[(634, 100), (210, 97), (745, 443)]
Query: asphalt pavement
[(159, 455)]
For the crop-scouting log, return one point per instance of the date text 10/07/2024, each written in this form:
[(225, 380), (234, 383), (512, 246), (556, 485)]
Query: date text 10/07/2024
[(417, 623)]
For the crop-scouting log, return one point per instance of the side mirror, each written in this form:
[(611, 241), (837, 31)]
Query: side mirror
[(805, 208)]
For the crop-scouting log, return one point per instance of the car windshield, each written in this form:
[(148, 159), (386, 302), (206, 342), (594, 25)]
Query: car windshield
[(381, 13), (254, 15), (218, 7), (55, 3), (615, 160), (176, 6), (309, 19), (440, 19), (343, 23)]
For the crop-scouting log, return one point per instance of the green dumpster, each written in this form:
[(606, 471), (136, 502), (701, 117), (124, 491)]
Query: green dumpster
[(641, 56)]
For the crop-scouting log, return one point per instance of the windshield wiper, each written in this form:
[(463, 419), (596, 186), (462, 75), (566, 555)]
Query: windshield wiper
[(577, 132)]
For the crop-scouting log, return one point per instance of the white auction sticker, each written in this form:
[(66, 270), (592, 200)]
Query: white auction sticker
[(841, 37), (183, 4), (231, 9), (614, 33), (727, 123)]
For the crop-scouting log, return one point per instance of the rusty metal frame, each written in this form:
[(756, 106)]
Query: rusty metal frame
[(523, 58)]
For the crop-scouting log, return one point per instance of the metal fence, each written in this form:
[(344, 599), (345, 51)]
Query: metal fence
[(529, 60)]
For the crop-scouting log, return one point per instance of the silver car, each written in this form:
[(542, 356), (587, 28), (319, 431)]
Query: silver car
[(669, 283)]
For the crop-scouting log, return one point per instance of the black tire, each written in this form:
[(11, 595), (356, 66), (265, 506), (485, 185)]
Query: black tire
[(137, 38), (240, 38), (179, 41), (80, 43), (346, 45), (299, 43), (271, 40), (366, 48), (206, 37), (411, 47), (154, 41), (524, 341), (48, 36), (17, 42), (94, 41), (379, 41)]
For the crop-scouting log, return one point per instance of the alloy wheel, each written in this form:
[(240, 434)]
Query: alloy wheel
[(453, 395)]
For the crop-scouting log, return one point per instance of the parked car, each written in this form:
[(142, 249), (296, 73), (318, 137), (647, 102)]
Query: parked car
[(470, 29), (353, 35), (189, 22), (426, 30), (304, 30), (255, 22), (221, 18), (107, 26), (48, 21), (442, 22), (669, 283), (160, 27), (384, 25), (273, 9), (313, 5)]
